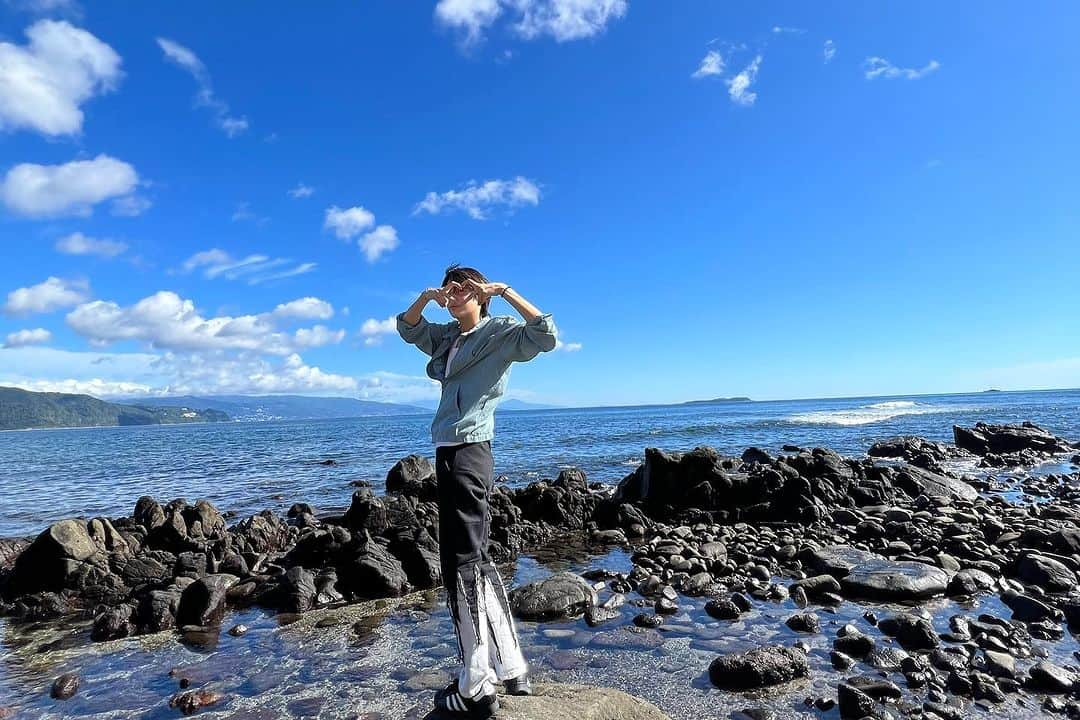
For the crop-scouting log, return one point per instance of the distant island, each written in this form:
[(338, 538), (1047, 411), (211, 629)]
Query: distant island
[(717, 400), (26, 410)]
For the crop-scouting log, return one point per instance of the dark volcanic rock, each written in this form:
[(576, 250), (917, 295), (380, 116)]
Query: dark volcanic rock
[(854, 703), (413, 475), (916, 481), (63, 556), (561, 595), (760, 667), (836, 560), (1045, 572), (1047, 677), (918, 451), (700, 478), (367, 512), (911, 631), (804, 622), (997, 439), (369, 571), (65, 686), (203, 601), (895, 581)]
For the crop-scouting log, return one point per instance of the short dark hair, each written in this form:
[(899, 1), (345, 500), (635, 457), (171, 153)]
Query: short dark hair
[(456, 273)]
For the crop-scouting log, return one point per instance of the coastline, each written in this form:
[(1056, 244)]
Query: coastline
[(689, 562)]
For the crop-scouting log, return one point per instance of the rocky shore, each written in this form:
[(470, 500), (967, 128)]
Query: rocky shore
[(900, 528)]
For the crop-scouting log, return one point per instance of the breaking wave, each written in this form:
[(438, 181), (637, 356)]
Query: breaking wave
[(866, 414)]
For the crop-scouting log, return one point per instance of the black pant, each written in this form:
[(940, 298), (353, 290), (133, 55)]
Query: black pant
[(465, 476)]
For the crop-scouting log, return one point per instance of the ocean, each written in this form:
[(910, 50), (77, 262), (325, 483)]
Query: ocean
[(347, 663), (245, 467)]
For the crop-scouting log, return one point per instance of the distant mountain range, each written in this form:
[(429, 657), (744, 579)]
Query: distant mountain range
[(24, 410), (289, 407)]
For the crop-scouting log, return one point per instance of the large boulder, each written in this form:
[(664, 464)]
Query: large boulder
[(916, 481), (261, 533), (759, 667), (984, 439), (1047, 573), (560, 595), (580, 702), (62, 556), (918, 451), (562, 504), (414, 476), (700, 478), (894, 581), (367, 512), (835, 560), (203, 601), (369, 571)]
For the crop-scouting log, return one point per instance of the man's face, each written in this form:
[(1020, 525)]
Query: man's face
[(461, 299)]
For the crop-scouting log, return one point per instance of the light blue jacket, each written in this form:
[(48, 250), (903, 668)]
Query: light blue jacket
[(472, 388)]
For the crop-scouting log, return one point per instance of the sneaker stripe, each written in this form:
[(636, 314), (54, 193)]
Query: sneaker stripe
[(456, 703)]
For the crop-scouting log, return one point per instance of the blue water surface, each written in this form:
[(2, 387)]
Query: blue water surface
[(245, 467)]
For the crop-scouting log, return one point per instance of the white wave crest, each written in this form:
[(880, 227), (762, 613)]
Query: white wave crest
[(866, 414)]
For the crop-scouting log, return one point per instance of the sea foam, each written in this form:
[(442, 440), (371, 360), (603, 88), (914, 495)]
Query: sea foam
[(867, 414)]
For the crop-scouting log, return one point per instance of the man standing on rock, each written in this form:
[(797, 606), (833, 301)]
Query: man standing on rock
[(471, 358)]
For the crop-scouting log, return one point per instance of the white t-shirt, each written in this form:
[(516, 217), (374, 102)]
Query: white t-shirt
[(449, 360)]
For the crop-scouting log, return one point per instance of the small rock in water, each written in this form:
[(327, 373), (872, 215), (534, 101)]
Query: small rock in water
[(722, 609), (760, 667), (65, 686), (238, 630), (804, 622), (664, 606), (648, 620), (193, 700)]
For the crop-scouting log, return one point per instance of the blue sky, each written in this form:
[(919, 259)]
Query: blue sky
[(782, 199)]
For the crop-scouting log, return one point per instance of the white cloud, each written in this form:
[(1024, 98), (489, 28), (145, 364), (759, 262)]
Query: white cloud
[(563, 20), (67, 8), (78, 244), (711, 64), (348, 223), (22, 338), (307, 308), (877, 67), (783, 30), (381, 240), (301, 191), (165, 321), (478, 199), (130, 206), (384, 386), (470, 16), (244, 213), (317, 336), (255, 268), (567, 347), (301, 269), (567, 19), (169, 373), (45, 297), (374, 330), (185, 58), (739, 86), (69, 189), (44, 83), (829, 51)]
